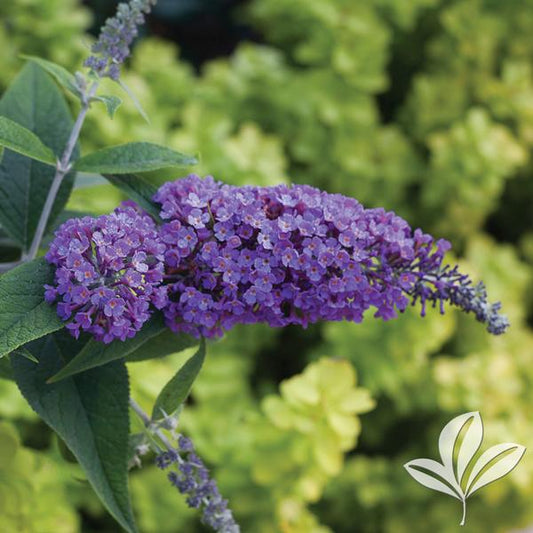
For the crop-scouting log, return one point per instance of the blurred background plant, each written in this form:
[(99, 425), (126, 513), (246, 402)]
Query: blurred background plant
[(423, 107)]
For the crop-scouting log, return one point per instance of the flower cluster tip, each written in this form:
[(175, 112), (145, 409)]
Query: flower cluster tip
[(116, 36)]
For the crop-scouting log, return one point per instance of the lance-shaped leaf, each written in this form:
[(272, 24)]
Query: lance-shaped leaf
[(131, 158), (175, 392), (495, 463), (23, 141), (135, 100), (138, 189), (24, 315), (23, 352), (59, 73), (112, 103), (432, 481), (96, 353), (89, 412), (165, 343), (24, 183)]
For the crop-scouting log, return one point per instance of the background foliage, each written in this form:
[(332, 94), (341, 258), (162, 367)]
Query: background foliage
[(423, 107)]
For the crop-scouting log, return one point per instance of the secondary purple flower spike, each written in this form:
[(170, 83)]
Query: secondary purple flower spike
[(191, 478), (295, 255), (109, 271), (113, 45)]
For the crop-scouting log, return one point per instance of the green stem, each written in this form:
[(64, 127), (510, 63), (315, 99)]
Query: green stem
[(4, 267), (148, 423)]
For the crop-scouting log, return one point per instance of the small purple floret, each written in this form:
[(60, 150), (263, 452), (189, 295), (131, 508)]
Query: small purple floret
[(109, 271), (295, 255)]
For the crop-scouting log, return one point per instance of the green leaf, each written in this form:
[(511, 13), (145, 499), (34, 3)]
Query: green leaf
[(138, 189), (60, 74), (132, 158), (96, 353), (25, 353), (175, 392), (89, 412), (23, 141), (112, 103), (66, 454), (166, 343), (24, 315), (24, 183), (135, 100)]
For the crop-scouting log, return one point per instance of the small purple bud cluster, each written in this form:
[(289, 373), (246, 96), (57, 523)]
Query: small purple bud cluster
[(295, 255), (113, 45), (191, 478), (109, 270), (448, 284), (474, 299)]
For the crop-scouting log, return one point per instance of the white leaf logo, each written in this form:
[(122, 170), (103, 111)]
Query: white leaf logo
[(449, 476)]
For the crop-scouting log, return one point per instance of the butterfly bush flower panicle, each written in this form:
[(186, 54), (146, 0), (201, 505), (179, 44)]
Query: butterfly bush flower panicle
[(113, 44), (190, 476), (295, 255), (109, 273)]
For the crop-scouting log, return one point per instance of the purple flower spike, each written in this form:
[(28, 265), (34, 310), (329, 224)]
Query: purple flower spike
[(109, 270), (191, 478), (295, 255), (113, 44)]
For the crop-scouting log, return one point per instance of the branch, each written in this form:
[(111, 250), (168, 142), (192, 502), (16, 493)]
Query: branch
[(4, 267), (62, 168), (148, 423)]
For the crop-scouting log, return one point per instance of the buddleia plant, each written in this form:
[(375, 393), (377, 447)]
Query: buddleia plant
[(170, 267)]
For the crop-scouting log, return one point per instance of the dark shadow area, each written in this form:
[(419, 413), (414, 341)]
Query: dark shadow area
[(288, 357), (203, 29)]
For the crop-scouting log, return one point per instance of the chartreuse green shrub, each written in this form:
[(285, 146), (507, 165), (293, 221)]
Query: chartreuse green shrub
[(477, 157), (284, 450), (33, 488), (305, 105), (40, 28)]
